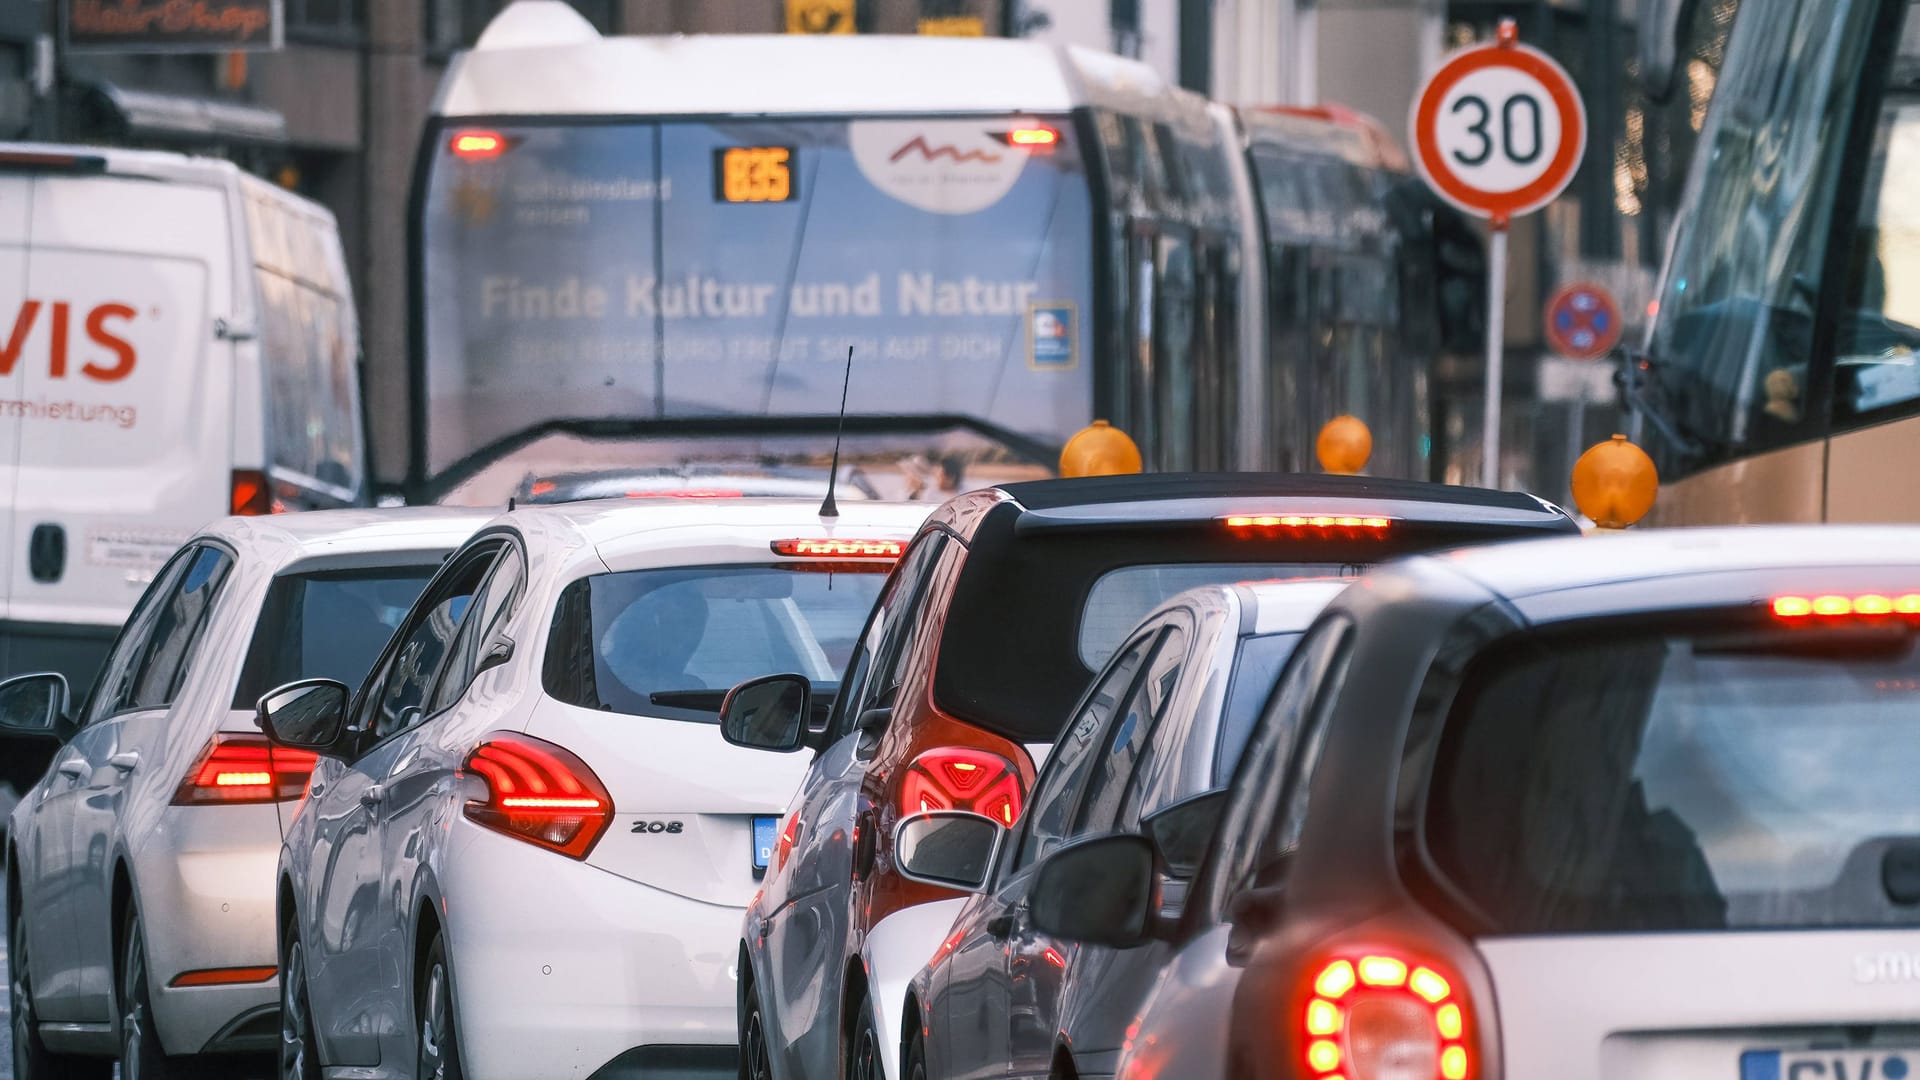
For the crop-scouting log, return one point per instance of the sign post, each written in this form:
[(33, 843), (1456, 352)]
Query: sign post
[(1499, 132)]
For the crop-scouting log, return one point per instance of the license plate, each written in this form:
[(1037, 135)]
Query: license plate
[(1830, 1065), (765, 831)]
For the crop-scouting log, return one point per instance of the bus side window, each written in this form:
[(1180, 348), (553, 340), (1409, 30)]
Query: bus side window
[(1877, 356)]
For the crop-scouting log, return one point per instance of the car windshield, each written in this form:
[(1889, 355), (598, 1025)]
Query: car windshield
[(1645, 782), (326, 625), (670, 643)]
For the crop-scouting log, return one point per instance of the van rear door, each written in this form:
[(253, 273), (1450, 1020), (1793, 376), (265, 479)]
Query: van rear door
[(15, 193), (125, 443)]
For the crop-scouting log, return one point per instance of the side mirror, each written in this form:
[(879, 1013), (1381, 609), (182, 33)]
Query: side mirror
[(1181, 831), (307, 715), (34, 706), (768, 713), (949, 848), (1103, 891)]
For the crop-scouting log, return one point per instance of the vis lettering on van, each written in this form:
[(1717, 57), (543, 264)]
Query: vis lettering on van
[(114, 368)]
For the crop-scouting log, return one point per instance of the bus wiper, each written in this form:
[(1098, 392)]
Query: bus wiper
[(1639, 382)]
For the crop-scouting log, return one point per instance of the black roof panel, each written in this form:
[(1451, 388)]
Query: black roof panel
[(1155, 487)]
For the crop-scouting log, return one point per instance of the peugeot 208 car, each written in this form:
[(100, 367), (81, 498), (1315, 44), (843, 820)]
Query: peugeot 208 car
[(527, 849), (140, 868), (1009, 600), (1587, 809)]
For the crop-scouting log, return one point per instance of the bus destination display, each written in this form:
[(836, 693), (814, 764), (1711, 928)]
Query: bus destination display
[(753, 174)]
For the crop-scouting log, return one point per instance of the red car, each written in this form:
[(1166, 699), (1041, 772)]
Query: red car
[(992, 625)]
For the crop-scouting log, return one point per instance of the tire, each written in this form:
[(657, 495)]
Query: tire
[(299, 1050), (439, 1040), (864, 1047), (31, 1058), (915, 1065), (756, 1061), (141, 1055)]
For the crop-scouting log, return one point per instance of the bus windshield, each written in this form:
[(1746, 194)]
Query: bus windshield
[(1732, 342), (649, 271)]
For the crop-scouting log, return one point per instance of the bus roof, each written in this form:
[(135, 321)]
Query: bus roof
[(539, 58)]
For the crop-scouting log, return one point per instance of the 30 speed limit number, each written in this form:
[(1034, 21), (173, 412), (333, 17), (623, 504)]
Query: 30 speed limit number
[(1499, 130)]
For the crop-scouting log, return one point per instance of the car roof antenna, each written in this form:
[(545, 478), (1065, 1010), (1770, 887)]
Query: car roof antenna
[(829, 508)]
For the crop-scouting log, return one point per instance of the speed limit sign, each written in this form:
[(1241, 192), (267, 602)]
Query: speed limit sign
[(1499, 130)]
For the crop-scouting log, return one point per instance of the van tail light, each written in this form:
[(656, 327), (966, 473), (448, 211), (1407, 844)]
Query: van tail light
[(962, 778), (539, 793), (236, 769), (1386, 1016), (839, 549), (251, 494)]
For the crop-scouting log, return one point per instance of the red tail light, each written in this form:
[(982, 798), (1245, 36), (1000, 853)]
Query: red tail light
[(478, 145), (960, 778), (1834, 606), (251, 494), (224, 976), (1349, 525), (839, 549), (1378, 1016), (540, 793), (245, 769)]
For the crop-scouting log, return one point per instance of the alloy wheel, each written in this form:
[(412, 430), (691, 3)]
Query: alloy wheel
[(135, 1027), (19, 996), (754, 1046), (297, 1058), (436, 1028)]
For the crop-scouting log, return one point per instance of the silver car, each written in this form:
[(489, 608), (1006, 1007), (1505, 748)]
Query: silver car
[(140, 868)]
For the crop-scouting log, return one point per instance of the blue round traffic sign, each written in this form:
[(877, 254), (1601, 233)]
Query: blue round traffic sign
[(1583, 322)]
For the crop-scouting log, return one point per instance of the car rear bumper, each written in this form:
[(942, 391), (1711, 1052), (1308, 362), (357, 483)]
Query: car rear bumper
[(561, 969), (204, 884)]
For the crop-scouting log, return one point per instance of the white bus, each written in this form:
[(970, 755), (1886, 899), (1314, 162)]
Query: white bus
[(647, 251)]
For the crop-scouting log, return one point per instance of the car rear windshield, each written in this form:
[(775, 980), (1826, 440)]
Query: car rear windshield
[(326, 625), (670, 643), (1644, 782), (1121, 598)]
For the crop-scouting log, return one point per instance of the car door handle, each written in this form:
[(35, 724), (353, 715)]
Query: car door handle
[(74, 769), (1000, 926), (374, 795), (126, 762)]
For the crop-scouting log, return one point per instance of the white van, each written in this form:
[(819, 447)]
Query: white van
[(177, 342)]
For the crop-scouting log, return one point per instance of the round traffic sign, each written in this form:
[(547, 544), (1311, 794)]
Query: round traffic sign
[(1499, 130), (1583, 322)]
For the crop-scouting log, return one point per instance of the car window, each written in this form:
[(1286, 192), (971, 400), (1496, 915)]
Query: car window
[(397, 700), (884, 644), (113, 690), (496, 602), (672, 642), (1050, 814), (1112, 784), (153, 674), (1628, 779), (327, 624), (1121, 598), (1258, 784), (1255, 667)]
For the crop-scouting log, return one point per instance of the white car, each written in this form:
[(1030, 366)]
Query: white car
[(527, 850), (140, 868)]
